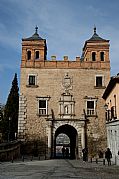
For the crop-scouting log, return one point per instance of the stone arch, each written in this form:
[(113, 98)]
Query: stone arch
[(76, 126), (71, 123), (71, 132)]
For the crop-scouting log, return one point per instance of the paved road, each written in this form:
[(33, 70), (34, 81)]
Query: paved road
[(59, 169)]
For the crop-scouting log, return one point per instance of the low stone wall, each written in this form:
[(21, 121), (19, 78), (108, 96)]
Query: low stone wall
[(9, 151)]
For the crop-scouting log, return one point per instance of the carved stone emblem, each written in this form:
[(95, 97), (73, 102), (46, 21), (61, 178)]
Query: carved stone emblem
[(67, 83)]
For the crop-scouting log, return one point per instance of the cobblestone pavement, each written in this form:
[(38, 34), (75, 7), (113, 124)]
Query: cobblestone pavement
[(59, 169)]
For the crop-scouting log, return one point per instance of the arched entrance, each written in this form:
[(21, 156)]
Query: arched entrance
[(65, 135)]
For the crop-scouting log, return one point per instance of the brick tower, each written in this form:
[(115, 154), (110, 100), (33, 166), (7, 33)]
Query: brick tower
[(61, 101)]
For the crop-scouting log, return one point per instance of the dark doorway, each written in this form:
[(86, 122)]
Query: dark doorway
[(65, 136)]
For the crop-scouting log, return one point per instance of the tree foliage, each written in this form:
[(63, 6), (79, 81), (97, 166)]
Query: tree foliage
[(1, 112), (10, 120), (1, 115)]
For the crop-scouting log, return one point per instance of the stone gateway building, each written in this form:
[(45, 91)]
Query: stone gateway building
[(61, 100)]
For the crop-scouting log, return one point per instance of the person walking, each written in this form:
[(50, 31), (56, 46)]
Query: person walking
[(85, 154), (108, 156), (63, 151)]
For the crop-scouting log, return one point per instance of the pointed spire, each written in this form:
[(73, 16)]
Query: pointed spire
[(95, 36), (35, 36)]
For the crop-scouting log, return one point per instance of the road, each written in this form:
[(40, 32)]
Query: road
[(57, 169)]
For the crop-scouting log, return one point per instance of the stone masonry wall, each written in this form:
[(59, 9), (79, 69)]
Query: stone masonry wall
[(22, 116), (49, 83)]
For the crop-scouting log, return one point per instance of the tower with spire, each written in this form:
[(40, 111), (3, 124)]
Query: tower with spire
[(34, 48), (96, 49)]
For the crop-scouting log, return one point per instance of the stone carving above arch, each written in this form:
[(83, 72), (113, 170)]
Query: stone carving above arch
[(77, 125), (67, 102), (66, 106)]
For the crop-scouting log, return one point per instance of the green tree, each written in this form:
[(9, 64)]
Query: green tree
[(10, 120), (1, 112)]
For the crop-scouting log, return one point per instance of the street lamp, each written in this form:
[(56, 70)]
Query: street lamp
[(106, 107), (9, 129), (106, 111)]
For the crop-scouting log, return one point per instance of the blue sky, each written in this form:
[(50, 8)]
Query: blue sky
[(65, 24)]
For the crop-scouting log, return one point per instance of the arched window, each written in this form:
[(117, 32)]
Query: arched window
[(102, 56), (28, 54), (37, 55), (93, 56)]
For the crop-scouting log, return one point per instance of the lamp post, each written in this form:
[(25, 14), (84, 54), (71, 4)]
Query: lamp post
[(106, 106), (106, 111), (9, 129)]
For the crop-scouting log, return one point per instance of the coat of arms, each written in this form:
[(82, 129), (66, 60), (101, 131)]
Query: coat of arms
[(67, 81)]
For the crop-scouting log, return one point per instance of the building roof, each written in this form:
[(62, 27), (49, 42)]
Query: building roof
[(35, 36), (95, 37), (112, 83)]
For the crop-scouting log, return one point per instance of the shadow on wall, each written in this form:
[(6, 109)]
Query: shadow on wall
[(35, 148)]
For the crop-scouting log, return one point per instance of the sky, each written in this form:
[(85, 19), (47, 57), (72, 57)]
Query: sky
[(65, 24)]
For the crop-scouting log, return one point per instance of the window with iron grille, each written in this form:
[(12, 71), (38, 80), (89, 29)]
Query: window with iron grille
[(113, 112), (32, 79), (108, 115)]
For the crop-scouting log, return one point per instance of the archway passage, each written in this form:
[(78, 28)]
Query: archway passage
[(71, 133)]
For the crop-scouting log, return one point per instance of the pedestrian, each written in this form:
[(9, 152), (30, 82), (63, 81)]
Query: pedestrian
[(63, 151), (85, 154), (108, 156)]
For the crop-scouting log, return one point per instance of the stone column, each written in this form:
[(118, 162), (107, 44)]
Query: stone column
[(79, 146), (49, 139), (22, 117), (83, 138)]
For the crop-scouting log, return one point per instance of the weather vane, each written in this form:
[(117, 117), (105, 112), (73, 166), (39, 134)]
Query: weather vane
[(36, 29)]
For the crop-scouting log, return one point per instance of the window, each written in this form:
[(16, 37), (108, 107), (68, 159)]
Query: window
[(37, 55), (90, 108), (108, 115), (42, 107), (99, 81), (102, 56), (28, 54), (32, 79), (93, 56)]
